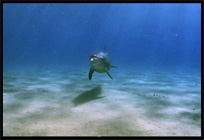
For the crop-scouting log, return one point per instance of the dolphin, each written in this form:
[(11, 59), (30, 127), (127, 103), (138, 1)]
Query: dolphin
[(100, 62)]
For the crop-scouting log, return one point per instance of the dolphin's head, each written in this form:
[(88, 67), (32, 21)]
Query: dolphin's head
[(96, 58)]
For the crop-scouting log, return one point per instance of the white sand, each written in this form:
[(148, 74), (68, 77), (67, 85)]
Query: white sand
[(135, 103)]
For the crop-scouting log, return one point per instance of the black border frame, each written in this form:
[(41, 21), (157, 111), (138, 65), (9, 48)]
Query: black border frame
[(100, 1)]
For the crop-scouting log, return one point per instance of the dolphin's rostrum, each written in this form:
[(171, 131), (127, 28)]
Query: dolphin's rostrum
[(100, 62)]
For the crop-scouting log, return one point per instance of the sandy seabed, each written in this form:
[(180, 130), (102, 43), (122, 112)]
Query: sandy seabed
[(63, 102)]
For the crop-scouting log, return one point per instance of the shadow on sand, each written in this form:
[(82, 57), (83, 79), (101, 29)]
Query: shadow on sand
[(88, 96)]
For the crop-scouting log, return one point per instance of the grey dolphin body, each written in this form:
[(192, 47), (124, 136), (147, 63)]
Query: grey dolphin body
[(100, 62)]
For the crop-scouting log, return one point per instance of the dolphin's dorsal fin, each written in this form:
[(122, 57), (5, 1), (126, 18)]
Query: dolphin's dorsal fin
[(105, 48)]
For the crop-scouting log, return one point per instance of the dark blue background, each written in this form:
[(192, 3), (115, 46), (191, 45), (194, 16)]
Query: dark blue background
[(136, 34)]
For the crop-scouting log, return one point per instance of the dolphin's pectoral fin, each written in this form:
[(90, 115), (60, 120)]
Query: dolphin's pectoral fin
[(113, 67), (90, 73), (108, 74)]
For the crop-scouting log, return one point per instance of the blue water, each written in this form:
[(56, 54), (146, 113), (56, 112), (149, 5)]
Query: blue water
[(164, 35), (156, 87)]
